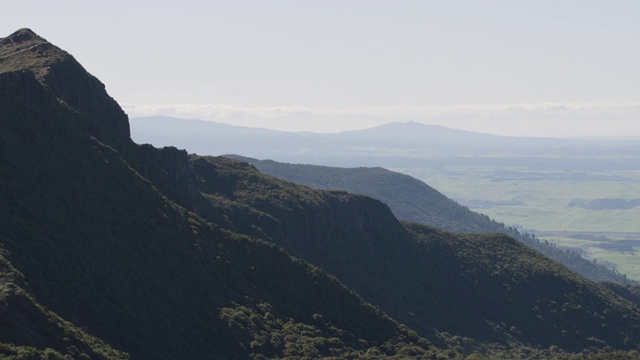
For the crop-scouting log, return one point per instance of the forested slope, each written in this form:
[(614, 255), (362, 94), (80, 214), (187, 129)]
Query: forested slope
[(432, 289)]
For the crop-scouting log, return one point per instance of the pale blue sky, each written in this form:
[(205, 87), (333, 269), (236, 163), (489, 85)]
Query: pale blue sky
[(555, 68)]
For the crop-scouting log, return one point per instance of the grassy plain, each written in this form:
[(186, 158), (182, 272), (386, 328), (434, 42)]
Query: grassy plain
[(552, 204), (626, 261), (543, 205)]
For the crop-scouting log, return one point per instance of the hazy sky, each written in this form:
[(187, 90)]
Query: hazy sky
[(544, 67)]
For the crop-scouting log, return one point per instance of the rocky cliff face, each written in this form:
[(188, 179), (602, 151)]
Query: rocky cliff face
[(66, 80)]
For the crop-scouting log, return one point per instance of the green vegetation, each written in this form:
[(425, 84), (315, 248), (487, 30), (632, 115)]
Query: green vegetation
[(40, 333), (620, 253), (539, 202), (357, 239)]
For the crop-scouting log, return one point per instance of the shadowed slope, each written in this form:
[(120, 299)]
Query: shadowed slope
[(443, 288), (412, 200)]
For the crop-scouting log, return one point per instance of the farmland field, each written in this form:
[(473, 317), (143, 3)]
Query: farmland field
[(596, 213)]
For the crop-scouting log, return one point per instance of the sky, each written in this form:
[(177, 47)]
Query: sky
[(557, 68)]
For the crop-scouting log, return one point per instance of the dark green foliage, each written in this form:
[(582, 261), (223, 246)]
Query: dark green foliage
[(629, 292), (39, 333), (533, 291)]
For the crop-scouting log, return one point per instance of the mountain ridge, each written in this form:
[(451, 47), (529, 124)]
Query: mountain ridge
[(412, 200)]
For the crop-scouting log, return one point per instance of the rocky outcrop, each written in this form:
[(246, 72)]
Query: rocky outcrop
[(101, 117)]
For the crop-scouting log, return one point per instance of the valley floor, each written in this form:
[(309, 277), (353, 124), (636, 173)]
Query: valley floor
[(592, 212)]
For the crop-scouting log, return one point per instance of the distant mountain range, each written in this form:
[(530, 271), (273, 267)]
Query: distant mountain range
[(114, 250), (393, 145), (211, 138)]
